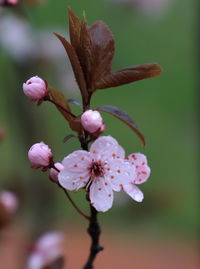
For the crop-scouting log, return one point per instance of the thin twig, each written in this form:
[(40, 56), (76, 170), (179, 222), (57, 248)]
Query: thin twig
[(61, 107)]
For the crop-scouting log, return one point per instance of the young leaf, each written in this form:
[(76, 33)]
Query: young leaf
[(74, 29), (61, 102), (74, 102), (68, 137), (128, 75), (78, 72), (124, 117), (103, 46)]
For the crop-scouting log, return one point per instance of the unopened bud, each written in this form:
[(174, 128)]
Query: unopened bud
[(40, 155), (54, 172), (91, 121), (35, 88)]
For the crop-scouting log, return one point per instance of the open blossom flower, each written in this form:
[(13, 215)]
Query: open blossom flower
[(47, 249), (101, 170), (139, 162), (35, 88), (40, 155), (92, 121)]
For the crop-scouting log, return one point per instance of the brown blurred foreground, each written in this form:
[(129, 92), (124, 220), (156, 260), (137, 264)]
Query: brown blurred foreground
[(119, 252)]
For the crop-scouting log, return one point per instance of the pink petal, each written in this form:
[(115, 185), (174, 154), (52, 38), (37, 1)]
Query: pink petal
[(134, 192), (143, 173), (101, 195), (137, 159), (77, 162), (118, 173), (72, 181), (104, 148)]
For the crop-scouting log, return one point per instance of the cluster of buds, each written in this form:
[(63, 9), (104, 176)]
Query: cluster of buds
[(47, 252), (8, 207)]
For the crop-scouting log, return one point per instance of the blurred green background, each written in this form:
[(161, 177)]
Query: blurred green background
[(163, 107)]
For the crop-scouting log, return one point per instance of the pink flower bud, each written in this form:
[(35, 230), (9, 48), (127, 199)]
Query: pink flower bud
[(54, 172), (35, 88), (40, 155), (8, 201), (91, 121)]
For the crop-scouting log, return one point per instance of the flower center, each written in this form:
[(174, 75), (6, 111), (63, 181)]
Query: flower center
[(96, 169)]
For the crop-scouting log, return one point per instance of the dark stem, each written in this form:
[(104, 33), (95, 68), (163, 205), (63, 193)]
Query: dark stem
[(58, 105), (74, 205), (94, 232)]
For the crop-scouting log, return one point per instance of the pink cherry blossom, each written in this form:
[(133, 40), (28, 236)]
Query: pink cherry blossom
[(54, 172), (35, 88), (139, 163), (91, 121), (101, 171), (40, 155), (47, 249)]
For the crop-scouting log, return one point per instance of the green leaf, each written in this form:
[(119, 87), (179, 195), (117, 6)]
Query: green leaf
[(129, 74), (124, 117)]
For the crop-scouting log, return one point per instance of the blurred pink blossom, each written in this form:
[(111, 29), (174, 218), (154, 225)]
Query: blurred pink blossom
[(47, 249), (91, 121), (146, 6), (8, 201), (102, 170), (40, 155), (35, 88)]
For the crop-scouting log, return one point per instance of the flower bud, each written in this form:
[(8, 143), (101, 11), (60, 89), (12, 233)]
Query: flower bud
[(54, 172), (35, 88), (91, 121), (40, 155)]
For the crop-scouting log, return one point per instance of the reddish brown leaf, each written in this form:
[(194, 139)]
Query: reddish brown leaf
[(75, 125), (103, 47), (74, 102), (78, 72), (68, 137), (85, 52), (60, 102), (74, 29), (124, 117), (129, 74)]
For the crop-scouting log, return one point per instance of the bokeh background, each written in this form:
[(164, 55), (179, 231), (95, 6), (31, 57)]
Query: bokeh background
[(162, 231)]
